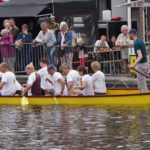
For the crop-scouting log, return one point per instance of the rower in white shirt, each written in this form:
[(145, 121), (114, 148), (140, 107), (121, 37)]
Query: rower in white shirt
[(8, 81), (73, 78), (98, 79), (45, 85), (58, 81), (86, 82), (33, 86)]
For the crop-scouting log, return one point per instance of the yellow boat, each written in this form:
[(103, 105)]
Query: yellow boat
[(114, 97)]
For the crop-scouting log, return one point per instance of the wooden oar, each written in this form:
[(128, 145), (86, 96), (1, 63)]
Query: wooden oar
[(141, 73), (24, 101)]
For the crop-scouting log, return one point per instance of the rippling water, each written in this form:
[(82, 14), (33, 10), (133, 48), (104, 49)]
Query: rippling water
[(74, 128)]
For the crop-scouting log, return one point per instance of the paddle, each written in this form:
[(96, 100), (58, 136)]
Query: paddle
[(53, 94), (24, 101), (141, 73)]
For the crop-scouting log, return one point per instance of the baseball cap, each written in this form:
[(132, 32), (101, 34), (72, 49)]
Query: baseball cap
[(51, 67), (133, 31)]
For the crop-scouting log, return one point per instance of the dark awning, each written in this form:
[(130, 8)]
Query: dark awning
[(20, 11), (23, 8), (74, 6), (32, 8)]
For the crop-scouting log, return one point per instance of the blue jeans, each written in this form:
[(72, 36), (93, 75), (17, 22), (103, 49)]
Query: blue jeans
[(51, 55)]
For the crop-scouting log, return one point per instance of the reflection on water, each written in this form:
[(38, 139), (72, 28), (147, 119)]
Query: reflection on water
[(74, 128)]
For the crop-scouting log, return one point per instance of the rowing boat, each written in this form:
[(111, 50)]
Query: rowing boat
[(122, 97)]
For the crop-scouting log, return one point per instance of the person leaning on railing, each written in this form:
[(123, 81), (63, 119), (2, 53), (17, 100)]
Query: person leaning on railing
[(64, 41), (47, 38), (7, 50), (102, 43)]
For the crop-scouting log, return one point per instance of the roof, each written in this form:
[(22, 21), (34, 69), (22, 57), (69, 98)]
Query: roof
[(32, 8)]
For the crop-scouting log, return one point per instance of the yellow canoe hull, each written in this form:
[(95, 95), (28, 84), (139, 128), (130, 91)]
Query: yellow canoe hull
[(113, 98)]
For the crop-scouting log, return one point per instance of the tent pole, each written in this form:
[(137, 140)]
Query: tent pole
[(129, 16), (53, 7)]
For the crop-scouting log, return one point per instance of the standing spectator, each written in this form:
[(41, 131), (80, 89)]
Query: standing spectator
[(64, 40), (23, 43), (15, 30), (123, 42), (4, 22), (25, 36), (81, 48), (48, 39), (7, 25), (112, 42), (102, 43), (53, 25), (7, 51)]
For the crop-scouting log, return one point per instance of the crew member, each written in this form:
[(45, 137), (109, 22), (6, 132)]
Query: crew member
[(73, 78), (58, 81), (141, 62), (8, 82), (33, 86), (45, 86), (86, 82), (98, 79)]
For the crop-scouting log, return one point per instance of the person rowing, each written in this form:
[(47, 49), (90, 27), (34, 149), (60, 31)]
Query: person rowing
[(98, 79), (73, 78), (45, 86), (8, 81), (141, 62), (58, 81), (33, 86), (86, 87)]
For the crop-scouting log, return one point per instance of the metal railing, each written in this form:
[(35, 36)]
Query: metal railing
[(111, 60)]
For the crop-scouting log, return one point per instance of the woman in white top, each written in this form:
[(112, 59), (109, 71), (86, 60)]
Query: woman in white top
[(98, 79), (102, 43), (86, 82)]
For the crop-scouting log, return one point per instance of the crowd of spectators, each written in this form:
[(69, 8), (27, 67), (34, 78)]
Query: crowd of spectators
[(59, 44)]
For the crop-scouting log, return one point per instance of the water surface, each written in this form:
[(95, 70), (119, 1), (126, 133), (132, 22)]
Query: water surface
[(74, 128)]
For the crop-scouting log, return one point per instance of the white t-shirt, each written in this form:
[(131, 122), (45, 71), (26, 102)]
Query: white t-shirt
[(99, 44), (57, 86), (44, 75), (99, 83), (18, 86), (73, 76), (89, 89), (10, 86), (31, 78)]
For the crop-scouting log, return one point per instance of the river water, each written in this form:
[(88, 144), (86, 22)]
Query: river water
[(74, 128)]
